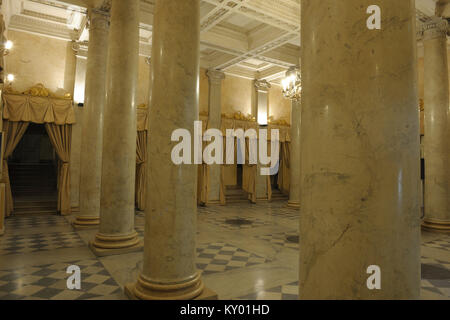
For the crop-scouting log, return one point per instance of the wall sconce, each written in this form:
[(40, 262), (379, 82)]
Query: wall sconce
[(10, 77), (6, 47)]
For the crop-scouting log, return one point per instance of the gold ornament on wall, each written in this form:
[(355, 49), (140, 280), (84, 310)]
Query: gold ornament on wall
[(39, 90), (240, 116), (278, 122)]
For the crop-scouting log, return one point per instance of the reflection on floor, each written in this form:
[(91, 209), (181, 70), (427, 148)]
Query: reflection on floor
[(245, 252)]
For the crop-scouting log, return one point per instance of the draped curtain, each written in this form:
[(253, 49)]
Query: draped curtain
[(249, 172), (60, 137), (203, 176), (58, 116), (284, 170), (141, 169), (14, 132)]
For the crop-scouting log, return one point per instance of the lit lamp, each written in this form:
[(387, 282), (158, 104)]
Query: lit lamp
[(10, 78), (6, 47), (292, 84)]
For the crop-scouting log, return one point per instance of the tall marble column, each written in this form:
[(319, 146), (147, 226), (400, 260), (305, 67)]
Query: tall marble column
[(169, 270), (116, 232), (360, 218), (262, 114), (437, 127), (294, 183), (92, 135), (214, 122)]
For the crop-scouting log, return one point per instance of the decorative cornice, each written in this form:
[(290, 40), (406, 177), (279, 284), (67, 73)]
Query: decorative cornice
[(215, 76), (436, 28)]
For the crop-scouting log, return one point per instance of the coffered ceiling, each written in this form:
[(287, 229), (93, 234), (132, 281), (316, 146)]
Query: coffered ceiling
[(255, 39)]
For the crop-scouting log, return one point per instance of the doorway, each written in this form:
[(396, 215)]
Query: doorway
[(33, 173)]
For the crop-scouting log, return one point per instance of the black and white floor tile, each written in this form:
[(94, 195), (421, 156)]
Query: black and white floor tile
[(34, 221), (283, 239), (220, 257), (49, 282), (16, 244)]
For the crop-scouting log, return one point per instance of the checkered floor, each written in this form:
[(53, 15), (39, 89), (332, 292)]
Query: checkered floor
[(50, 282), (220, 257), (442, 243), (281, 239), (285, 292), (436, 276), (221, 221), (16, 244), (41, 220)]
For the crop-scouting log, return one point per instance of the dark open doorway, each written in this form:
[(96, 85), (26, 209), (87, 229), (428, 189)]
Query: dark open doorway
[(33, 173)]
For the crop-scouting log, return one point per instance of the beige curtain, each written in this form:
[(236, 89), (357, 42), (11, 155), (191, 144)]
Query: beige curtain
[(249, 172), (141, 169), (203, 175), (19, 107), (202, 184), (14, 131), (284, 170), (60, 137)]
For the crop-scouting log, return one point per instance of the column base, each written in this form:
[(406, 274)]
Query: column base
[(86, 222), (293, 204), (105, 245), (436, 225), (194, 289)]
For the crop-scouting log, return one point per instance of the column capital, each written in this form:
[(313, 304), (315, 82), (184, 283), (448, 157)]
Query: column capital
[(436, 28), (215, 76), (98, 18), (262, 85)]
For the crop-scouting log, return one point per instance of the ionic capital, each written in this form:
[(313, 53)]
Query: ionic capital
[(436, 28), (98, 19), (215, 76), (262, 85)]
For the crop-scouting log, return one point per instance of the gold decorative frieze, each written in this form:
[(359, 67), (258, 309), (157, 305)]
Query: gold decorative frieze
[(239, 116), (38, 91)]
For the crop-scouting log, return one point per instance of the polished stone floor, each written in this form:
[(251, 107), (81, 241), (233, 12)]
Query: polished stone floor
[(245, 252)]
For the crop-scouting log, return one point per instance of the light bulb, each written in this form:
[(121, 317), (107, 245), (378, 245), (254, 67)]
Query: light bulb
[(10, 77), (8, 45)]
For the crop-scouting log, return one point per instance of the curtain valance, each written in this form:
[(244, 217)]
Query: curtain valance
[(284, 131), (29, 108)]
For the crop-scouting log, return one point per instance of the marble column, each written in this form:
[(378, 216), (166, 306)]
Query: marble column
[(262, 113), (437, 126), (360, 152), (95, 96), (214, 122), (169, 270), (294, 183), (116, 232)]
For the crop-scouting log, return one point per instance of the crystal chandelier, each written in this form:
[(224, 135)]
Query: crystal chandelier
[(292, 84)]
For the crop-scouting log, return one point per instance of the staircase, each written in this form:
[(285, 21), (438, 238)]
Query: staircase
[(277, 195), (33, 187), (235, 194)]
